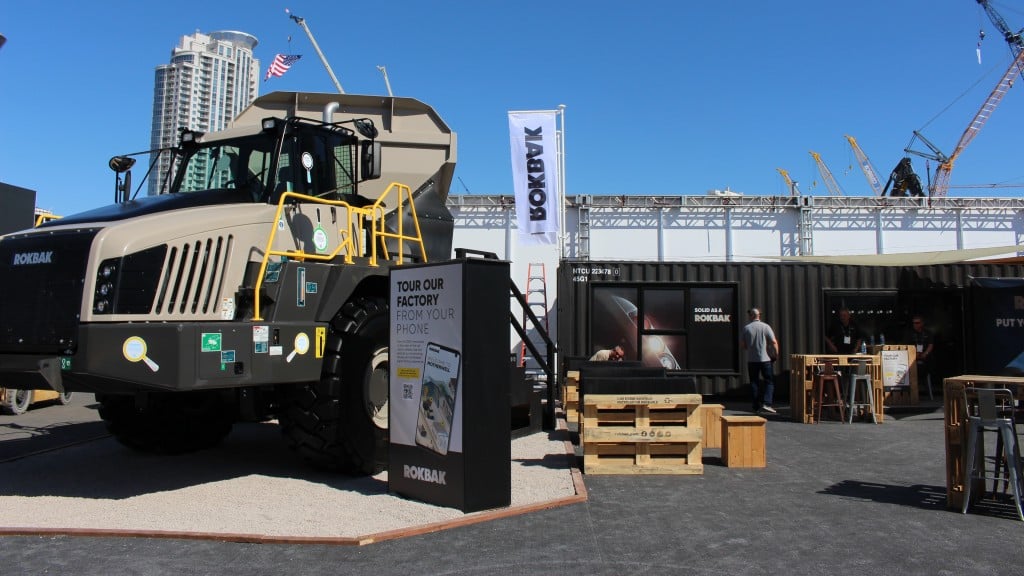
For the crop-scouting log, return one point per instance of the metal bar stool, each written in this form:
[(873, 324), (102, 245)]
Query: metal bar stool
[(1006, 411), (989, 419), (861, 380), (825, 385)]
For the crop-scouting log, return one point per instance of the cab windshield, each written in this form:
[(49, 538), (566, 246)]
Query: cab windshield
[(315, 160), (236, 164)]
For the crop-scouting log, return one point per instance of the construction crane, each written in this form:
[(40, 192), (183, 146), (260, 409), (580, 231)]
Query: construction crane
[(940, 184), (826, 176), (866, 166), (302, 22), (791, 184), (1013, 39)]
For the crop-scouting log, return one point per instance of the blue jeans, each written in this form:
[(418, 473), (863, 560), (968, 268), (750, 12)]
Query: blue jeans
[(762, 379)]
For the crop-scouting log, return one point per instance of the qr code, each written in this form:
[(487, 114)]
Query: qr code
[(406, 391)]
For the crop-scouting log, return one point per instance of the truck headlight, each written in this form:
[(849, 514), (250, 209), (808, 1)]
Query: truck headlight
[(106, 278)]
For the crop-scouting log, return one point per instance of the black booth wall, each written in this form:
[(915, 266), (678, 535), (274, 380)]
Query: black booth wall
[(19, 206), (796, 299)]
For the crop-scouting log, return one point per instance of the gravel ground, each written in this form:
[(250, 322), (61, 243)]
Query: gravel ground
[(250, 485)]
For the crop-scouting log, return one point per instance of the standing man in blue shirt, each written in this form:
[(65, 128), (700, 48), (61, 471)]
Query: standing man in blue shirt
[(759, 342)]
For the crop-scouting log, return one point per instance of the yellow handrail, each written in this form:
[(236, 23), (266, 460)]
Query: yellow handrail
[(401, 191), (45, 217), (355, 221)]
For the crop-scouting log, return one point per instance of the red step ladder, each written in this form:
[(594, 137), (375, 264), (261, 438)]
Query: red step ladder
[(536, 295)]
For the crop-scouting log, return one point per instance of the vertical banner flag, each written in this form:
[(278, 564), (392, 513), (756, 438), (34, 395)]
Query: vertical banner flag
[(535, 175)]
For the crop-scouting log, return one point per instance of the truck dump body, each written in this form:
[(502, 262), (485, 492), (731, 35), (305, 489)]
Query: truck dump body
[(418, 146)]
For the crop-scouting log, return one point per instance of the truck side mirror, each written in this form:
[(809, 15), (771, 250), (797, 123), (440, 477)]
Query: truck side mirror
[(365, 127), (122, 188), (369, 160)]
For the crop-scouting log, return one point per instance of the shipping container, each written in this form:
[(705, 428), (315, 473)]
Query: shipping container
[(687, 316)]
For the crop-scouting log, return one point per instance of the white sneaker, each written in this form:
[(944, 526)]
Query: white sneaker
[(769, 409)]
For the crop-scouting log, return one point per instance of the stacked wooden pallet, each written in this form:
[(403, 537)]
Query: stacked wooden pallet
[(571, 396), (642, 434)]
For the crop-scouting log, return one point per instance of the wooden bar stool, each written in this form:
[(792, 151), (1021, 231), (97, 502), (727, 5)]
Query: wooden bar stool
[(826, 386)]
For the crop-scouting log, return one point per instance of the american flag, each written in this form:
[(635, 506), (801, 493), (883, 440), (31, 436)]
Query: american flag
[(280, 65)]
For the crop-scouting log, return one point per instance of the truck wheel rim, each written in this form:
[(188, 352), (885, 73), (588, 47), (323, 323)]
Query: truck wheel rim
[(377, 389)]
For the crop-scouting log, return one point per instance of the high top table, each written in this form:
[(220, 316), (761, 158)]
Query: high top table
[(801, 381), (956, 429)]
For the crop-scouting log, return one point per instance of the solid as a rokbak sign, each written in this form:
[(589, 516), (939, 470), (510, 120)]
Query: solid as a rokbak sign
[(535, 175)]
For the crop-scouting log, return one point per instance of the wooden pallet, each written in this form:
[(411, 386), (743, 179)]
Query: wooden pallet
[(898, 397), (571, 396), (642, 434)]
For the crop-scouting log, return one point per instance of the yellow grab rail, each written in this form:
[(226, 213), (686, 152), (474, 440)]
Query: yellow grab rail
[(402, 193), (354, 224), (44, 217)]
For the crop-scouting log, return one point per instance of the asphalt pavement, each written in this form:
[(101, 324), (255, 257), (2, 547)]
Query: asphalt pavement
[(835, 498)]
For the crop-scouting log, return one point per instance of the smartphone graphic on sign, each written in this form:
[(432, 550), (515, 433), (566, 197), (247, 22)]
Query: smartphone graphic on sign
[(438, 388)]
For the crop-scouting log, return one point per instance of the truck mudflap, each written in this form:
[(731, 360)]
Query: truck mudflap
[(120, 358)]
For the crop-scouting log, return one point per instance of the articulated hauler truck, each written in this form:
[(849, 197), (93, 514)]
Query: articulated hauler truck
[(252, 287)]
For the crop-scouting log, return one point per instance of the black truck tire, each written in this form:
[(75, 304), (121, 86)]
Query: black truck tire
[(168, 423), (17, 401), (341, 421)]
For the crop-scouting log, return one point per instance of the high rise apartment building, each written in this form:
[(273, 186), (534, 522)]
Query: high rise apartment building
[(210, 80)]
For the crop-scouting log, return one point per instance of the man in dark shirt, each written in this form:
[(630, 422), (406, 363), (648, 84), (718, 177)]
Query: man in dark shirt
[(843, 337), (924, 344)]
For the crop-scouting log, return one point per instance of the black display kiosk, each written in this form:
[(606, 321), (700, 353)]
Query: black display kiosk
[(449, 411)]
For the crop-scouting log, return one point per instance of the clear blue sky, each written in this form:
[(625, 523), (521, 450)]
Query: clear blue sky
[(663, 97)]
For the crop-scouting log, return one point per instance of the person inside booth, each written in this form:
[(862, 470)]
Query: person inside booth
[(610, 355), (843, 337)]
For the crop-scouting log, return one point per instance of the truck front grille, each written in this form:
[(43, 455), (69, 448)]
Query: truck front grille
[(42, 275), (193, 277)]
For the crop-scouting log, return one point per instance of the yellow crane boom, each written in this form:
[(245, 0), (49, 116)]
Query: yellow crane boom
[(790, 183), (866, 166), (826, 176)]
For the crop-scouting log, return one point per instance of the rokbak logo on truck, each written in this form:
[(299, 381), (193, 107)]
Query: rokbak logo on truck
[(23, 258)]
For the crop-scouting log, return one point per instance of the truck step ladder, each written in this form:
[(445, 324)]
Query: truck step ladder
[(537, 299)]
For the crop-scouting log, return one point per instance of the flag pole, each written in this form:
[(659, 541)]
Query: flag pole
[(561, 183)]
